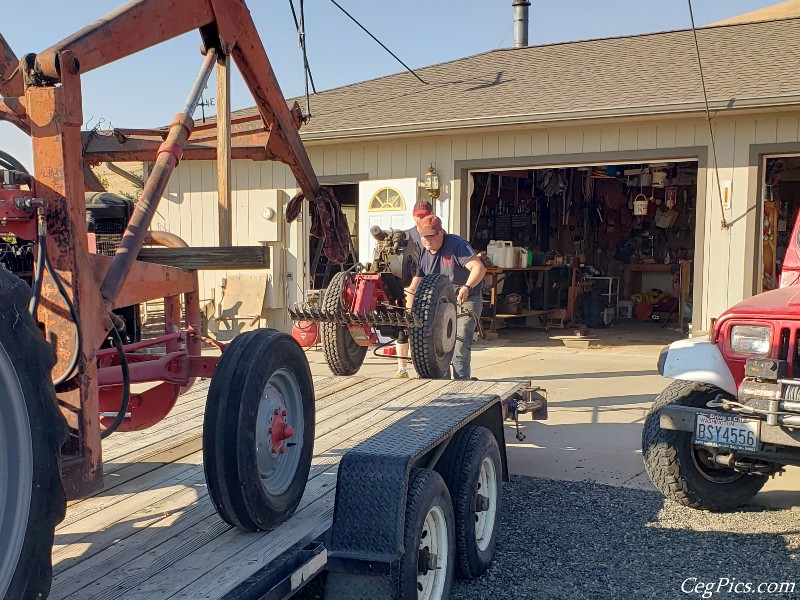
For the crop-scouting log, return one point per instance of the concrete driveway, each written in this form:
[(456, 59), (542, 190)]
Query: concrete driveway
[(598, 400)]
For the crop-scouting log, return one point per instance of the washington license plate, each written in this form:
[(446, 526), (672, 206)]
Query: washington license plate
[(726, 431)]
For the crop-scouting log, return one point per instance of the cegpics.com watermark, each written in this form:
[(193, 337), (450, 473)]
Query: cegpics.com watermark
[(731, 585)]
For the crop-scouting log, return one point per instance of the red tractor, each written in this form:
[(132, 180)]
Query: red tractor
[(70, 288), (368, 302)]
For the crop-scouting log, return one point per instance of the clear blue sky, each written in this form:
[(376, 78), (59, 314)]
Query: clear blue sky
[(149, 88)]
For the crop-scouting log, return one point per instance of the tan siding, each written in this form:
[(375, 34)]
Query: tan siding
[(685, 134), (628, 137), (787, 129), (609, 139), (356, 159), (742, 236), (399, 160), (474, 148), (592, 140), (371, 161), (646, 137), (556, 142), (506, 145), (665, 136), (343, 161), (766, 130), (539, 143), (522, 145), (491, 147), (574, 141)]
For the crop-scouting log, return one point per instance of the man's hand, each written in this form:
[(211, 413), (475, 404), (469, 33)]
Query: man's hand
[(463, 294)]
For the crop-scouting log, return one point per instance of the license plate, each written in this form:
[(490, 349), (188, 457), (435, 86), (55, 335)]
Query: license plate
[(726, 431)]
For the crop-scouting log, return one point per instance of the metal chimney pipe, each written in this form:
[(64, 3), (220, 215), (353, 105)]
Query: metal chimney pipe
[(521, 23)]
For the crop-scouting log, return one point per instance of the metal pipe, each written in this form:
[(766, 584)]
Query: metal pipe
[(791, 420), (521, 23), (790, 406), (168, 157)]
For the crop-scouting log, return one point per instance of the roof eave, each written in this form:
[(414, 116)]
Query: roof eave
[(716, 107)]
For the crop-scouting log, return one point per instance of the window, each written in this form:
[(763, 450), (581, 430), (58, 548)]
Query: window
[(387, 198)]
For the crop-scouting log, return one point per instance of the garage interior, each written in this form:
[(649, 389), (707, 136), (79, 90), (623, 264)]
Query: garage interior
[(586, 246), (781, 200)]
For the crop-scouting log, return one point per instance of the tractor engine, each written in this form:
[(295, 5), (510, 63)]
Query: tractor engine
[(107, 216), (395, 254)]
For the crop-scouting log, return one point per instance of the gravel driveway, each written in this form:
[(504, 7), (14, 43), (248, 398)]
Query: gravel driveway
[(583, 540)]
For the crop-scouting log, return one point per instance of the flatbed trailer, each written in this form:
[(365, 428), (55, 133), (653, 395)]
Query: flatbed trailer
[(153, 532)]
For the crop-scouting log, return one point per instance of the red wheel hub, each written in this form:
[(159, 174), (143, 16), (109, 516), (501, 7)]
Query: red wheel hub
[(280, 431)]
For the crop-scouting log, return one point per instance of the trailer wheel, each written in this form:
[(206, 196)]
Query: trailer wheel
[(682, 472), (433, 342), (343, 355), (32, 430), (472, 469), (258, 432), (426, 569)]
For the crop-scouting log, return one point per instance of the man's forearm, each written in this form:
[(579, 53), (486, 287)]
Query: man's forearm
[(476, 275)]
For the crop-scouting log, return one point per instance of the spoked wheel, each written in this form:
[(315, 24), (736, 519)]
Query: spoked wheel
[(472, 469), (32, 499), (426, 569), (343, 355), (434, 340), (258, 433)]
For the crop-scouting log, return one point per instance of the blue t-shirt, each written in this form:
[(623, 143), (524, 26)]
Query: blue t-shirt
[(450, 260)]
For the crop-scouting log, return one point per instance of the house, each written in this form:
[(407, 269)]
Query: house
[(611, 121)]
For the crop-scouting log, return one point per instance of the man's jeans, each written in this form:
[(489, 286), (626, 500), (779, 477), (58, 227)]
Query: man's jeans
[(465, 333)]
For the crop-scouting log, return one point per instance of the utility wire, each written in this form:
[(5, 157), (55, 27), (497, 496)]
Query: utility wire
[(301, 33), (352, 18), (725, 224)]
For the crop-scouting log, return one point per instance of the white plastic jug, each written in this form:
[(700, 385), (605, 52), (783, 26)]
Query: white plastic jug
[(521, 257), (508, 254), (495, 253)]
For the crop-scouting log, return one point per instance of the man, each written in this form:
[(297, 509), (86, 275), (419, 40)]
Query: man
[(422, 209), (451, 255)]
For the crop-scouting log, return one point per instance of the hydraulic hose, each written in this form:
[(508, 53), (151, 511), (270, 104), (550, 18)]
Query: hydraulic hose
[(126, 384), (75, 320)]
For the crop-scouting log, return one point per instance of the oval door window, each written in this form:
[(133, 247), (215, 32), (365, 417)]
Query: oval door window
[(387, 198)]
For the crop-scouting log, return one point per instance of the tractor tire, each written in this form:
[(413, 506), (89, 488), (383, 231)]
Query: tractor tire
[(472, 468), (262, 384), (32, 431), (343, 355), (433, 342), (678, 469)]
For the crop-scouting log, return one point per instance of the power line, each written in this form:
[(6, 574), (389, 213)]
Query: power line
[(352, 18), (301, 34), (725, 224)]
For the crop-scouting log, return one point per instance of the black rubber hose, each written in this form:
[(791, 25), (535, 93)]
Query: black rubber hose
[(9, 162), (126, 385), (76, 321), (38, 276)]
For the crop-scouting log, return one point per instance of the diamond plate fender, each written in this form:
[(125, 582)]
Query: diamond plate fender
[(367, 533)]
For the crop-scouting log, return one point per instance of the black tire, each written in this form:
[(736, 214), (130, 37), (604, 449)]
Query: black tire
[(428, 501), (463, 469), (343, 355), (677, 468), (32, 431), (433, 342), (252, 487)]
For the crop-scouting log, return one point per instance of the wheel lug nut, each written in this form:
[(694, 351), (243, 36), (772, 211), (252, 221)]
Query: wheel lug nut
[(269, 430), (284, 413)]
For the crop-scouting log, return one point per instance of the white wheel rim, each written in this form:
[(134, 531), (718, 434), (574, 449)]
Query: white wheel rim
[(485, 519), (282, 394), (433, 539)]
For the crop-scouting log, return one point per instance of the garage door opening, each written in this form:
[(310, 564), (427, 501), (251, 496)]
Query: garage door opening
[(587, 245), (781, 202)]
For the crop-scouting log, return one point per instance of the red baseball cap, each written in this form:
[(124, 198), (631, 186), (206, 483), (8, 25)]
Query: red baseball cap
[(423, 208), (430, 225)]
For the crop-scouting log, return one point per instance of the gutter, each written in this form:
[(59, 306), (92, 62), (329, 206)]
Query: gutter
[(555, 117)]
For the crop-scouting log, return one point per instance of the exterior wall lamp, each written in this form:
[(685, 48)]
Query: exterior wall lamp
[(432, 183)]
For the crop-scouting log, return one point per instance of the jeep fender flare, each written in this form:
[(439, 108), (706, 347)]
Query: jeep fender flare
[(696, 360)]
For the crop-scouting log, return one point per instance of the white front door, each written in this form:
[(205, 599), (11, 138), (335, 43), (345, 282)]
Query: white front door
[(388, 203)]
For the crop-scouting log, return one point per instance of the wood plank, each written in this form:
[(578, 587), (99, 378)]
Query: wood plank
[(224, 150), (208, 257), (170, 543)]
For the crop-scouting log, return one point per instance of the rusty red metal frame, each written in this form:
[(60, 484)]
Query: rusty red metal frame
[(42, 95)]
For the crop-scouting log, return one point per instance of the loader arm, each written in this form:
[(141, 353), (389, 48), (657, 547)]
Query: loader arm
[(225, 25)]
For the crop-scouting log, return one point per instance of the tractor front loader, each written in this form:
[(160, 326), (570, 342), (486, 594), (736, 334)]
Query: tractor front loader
[(69, 344), (368, 302)]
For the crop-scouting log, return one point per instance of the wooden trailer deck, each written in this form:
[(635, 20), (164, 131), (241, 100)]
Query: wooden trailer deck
[(152, 532)]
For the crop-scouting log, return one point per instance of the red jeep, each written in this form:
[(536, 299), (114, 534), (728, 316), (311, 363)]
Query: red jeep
[(732, 417)]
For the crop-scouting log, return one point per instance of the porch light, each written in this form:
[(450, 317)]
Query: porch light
[(432, 183)]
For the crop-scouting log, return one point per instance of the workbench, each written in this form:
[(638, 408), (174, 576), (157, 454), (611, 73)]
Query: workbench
[(497, 275)]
